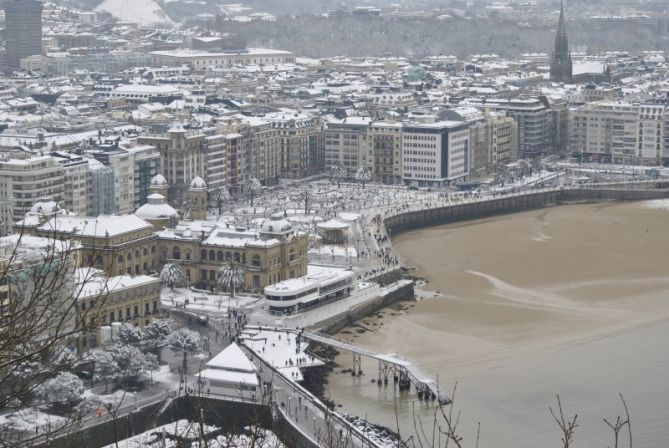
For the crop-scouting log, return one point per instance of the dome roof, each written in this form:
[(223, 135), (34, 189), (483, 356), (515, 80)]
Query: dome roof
[(158, 181), (156, 208), (276, 226), (45, 206), (198, 184)]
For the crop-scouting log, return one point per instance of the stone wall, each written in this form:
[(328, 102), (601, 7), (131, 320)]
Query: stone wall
[(514, 203), (339, 322), (227, 415)]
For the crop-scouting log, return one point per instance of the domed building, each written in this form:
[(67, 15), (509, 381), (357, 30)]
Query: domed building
[(198, 184), (158, 212), (276, 227), (158, 185), (197, 199)]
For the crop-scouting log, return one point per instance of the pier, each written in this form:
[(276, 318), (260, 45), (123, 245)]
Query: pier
[(403, 372)]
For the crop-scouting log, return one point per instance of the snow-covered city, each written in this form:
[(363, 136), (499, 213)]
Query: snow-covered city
[(315, 224)]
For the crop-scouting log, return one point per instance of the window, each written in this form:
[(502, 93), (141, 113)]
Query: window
[(255, 261), (203, 254), (176, 253), (203, 274), (220, 257), (212, 255), (256, 281)]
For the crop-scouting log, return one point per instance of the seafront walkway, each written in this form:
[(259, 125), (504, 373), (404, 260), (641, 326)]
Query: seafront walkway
[(306, 414), (403, 371)]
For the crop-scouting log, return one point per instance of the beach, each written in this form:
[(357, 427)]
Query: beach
[(570, 300)]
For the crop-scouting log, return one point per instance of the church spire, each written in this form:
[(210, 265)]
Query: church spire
[(561, 64)]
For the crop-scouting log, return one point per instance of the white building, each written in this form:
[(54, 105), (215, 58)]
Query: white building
[(23, 182), (209, 61), (231, 374), (619, 132), (435, 154), (319, 287)]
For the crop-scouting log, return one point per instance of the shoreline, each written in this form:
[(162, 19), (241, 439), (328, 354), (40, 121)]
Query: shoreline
[(630, 307)]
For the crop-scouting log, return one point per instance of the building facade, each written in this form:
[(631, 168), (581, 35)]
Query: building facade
[(23, 31), (24, 181), (435, 154)]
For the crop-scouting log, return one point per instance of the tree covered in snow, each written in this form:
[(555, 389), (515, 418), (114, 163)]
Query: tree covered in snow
[(231, 276), (130, 362), (338, 173), (121, 363), (129, 335), (62, 391), (219, 197), (104, 366), (184, 339), (252, 187), (155, 334), (64, 359), (172, 274), (363, 175)]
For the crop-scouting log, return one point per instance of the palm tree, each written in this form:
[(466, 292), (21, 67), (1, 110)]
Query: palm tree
[(363, 175), (338, 173), (231, 276), (252, 187), (219, 197), (307, 196), (172, 274)]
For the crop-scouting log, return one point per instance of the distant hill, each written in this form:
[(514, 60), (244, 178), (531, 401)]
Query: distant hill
[(144, 12)]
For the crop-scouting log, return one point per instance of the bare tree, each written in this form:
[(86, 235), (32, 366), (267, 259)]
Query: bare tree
[(567, 426)]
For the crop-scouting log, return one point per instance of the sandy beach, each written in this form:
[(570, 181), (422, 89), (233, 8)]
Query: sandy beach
[(571, 300)]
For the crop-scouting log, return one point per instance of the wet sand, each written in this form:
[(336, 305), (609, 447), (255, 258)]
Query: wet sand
[(570, 300)]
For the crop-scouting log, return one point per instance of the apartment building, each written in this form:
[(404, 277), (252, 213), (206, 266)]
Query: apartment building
[(620, 132), (23, 182), (346, 143), (435, 154)]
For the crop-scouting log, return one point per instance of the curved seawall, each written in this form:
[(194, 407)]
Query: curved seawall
[(518, 202)]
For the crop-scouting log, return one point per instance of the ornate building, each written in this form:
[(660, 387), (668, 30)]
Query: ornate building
[(561, 64), (270, 254)]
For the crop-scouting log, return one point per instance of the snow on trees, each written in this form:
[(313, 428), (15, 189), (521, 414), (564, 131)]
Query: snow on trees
[(219, 197), (338, 173), (129, 335), (252, 187), (64, 359), (62, 391), (130, 362), (105, 366), (155, 334), (363, 175), (184, 339), (231, 276), (172, 274)]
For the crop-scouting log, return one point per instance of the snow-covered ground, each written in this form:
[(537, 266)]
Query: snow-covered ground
[(280, 350), (334, 250), (204, 303), (28, 419), (188, 434)]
